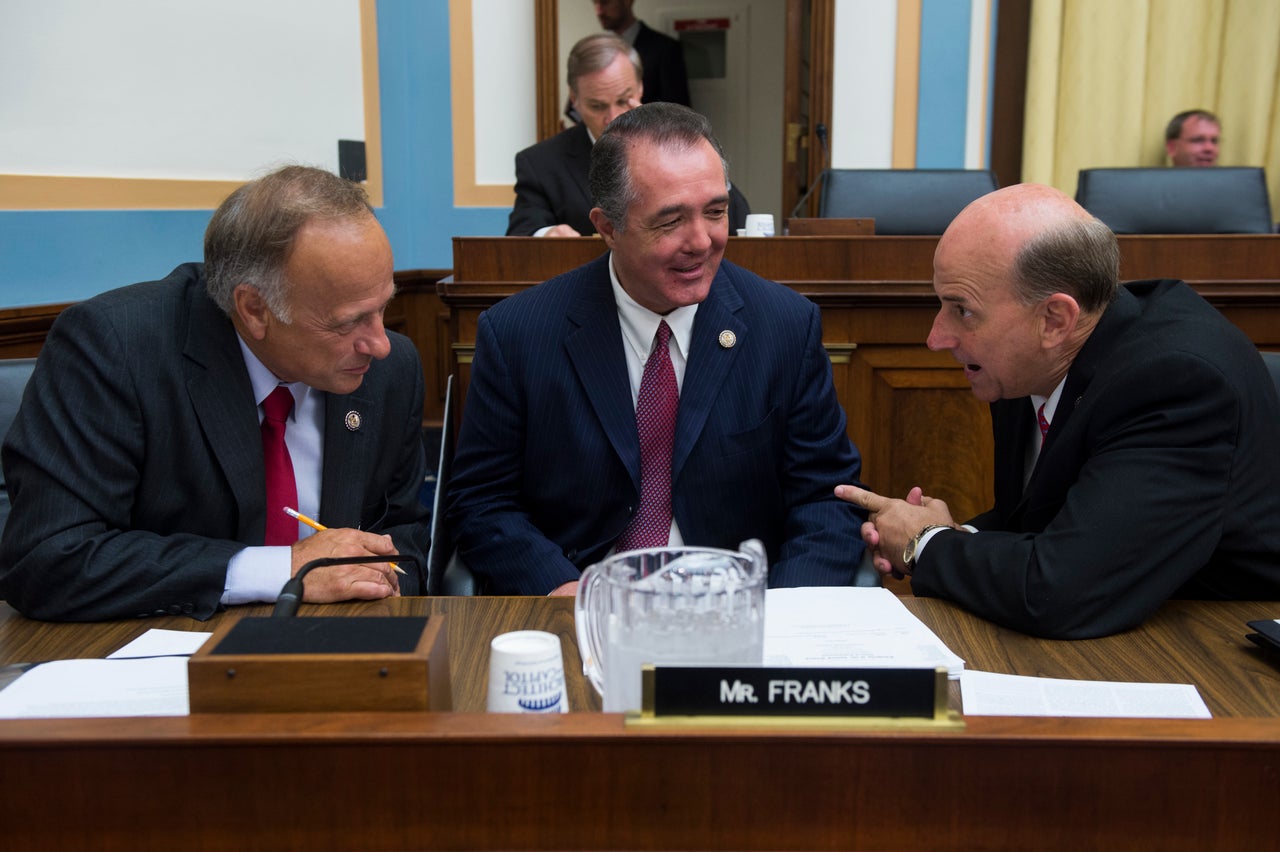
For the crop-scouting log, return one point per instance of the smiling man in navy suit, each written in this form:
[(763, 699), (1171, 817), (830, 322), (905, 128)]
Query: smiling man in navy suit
[(548, 475), (137, 460)]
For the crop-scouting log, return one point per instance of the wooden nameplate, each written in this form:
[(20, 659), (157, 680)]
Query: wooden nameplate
[(331, 664)]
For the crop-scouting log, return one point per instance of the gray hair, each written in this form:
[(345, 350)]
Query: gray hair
[(1080, 258), (666, 125), (250, 235), (595, 53)]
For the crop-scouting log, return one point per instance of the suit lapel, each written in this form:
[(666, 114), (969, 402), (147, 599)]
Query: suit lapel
[(595, 351), (351, 425), (708, 365), (225, 409)]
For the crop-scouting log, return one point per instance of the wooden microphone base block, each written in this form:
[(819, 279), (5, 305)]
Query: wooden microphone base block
[(322, 664)]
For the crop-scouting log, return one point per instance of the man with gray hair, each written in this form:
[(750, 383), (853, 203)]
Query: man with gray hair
[(656, 396), (1135, 451), (167, 425), (553, 198)]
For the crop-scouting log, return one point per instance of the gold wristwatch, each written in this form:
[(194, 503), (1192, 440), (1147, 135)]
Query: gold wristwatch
[(909, 553)]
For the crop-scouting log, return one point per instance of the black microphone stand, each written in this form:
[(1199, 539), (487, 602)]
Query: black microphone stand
[(291, 592), (821, 131)]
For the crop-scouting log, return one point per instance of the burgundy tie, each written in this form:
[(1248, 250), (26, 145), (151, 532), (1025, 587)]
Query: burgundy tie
[(282, 489), (1044, 424), (656, 424)]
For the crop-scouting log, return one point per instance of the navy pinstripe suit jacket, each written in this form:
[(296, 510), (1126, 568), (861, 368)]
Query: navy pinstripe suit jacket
[(547, 472), (136, 459)]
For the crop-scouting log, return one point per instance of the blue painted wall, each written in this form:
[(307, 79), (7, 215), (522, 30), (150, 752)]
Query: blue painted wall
[(944, 84), (64, 256)]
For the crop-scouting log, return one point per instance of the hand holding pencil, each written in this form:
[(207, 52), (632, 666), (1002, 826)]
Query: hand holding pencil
[(319, 527)]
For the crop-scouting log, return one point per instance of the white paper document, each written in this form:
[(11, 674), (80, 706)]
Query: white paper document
[(987, 694), (849, 626), (152, 686), (162, 643)]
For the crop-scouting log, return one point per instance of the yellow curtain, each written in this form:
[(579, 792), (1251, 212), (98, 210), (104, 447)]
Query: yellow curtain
[(1105, 76)]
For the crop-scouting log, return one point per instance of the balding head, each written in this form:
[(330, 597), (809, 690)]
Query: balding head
[(1023, 274), (1047, 242)]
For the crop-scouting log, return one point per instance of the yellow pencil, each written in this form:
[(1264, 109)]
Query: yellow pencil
[(319, 527)]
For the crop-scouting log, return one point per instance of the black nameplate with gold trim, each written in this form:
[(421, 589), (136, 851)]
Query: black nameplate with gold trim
[(680, 692)]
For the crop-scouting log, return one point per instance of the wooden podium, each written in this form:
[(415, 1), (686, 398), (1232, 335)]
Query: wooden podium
[(910, 410)]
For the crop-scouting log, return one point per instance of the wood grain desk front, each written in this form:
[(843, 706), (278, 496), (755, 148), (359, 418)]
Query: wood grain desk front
[(583, 780)]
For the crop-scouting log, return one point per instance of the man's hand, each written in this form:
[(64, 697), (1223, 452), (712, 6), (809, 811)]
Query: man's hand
[(561, 231), (346, 582), (564, 589), (893, 523)]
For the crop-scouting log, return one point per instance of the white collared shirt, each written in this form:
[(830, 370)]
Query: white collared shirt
[(257, 573), (639, 326)]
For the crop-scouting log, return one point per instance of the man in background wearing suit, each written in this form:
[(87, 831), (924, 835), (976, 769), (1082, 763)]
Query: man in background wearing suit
[(1135, 434), (139, 469), (665, 77), (1191, 139), (553, 198), (552, 471)]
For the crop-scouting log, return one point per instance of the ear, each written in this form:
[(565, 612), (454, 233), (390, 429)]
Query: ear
[(603, 226), (1168, 148), (1058, 317), (252, 312)]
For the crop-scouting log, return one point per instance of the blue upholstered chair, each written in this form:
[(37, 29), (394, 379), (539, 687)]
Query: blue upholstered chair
[(1217, 200), (14, 373), (903, 201)]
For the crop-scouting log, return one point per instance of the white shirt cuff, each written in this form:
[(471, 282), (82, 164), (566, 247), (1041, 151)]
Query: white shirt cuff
[(256, 574)]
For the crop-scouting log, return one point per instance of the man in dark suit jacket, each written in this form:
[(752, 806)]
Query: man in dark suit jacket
[(1135, 434), (553, 198), (136, 460), (665, 76), (548, 469)]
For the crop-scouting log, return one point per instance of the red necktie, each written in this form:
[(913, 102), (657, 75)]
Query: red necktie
[(282, 489), (656, 425), (1044, 424)]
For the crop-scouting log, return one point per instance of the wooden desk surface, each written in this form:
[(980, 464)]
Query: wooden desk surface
[(583, 780)]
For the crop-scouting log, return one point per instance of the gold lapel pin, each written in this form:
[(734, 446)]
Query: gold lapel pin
[(727, 339), (353, 421)]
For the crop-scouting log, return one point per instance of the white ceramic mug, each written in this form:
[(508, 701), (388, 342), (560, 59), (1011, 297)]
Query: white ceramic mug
[(760, 225), (526, 673)]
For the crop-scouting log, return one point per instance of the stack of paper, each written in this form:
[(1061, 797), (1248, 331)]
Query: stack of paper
[(849, 626)]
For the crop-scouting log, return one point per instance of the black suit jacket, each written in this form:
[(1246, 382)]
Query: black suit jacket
[(1158, 479), (665, 77), (135, 462), (552, 187), (547, 471)]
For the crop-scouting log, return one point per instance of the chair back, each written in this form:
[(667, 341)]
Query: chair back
[(1272, 360), (903, 201), (1217, 200), (14, 373)]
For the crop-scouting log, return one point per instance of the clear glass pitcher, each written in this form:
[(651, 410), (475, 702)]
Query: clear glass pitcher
[(669, 606)]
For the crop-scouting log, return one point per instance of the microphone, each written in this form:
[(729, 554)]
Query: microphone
[(291, 592), (820, 130)]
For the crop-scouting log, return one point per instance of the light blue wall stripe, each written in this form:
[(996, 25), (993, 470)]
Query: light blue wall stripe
[(944, 78), (64, 256)]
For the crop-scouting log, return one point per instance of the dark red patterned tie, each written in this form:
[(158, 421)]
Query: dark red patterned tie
[(1044, 424), (656, 424), (282, 488)]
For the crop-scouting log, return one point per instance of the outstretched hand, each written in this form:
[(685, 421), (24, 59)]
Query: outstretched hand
[(892, 522)]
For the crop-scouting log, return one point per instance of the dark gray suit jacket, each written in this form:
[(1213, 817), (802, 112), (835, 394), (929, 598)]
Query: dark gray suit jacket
[(552, 187), (1158, 479), (135, 462), (547, 471)]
